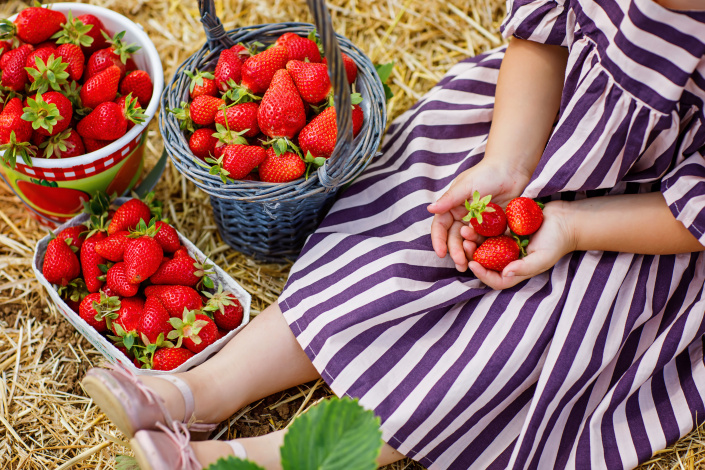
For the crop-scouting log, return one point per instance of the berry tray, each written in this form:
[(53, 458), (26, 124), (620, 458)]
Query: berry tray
[(105, 347)]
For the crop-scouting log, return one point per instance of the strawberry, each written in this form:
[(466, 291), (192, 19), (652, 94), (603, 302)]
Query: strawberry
[(170, 358), (129, 315), (116, 54), (60, 263), (5, 46), (116, 279), (350, 68), (196, 331), (113, 247), (497, 252), (155, 321), (299, 48), (108, 121), (76, 33), (281, 169), (46, 70), (258, 71), (176, 298), (67, 144), (11, 121), (14, 75), (72, 55), (101, 88), (95, 32), (90, 262), (74, 293), (524, 215), (311, 80), (35, 24), (319, 136), (487, 218), (202, 83), (241, 51), (139, 84), (95, 307), (204, 108), (94, 144), (202, 143), (167, 237), (129, 215), (181, 252), (50, 113), (77, 234), (240, 117), (281, 112), (239, 160), (226, 308), (182, 271), (357, 119), (227, 70), (143, 256)]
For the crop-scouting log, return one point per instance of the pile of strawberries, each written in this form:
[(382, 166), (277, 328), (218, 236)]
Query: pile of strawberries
[(67, 87), (524, 216), (270, 111), (127, 275)]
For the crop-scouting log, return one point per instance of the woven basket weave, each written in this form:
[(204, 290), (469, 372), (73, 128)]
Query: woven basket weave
[(271, 221)]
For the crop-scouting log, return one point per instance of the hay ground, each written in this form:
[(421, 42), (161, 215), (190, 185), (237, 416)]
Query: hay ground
[(46, 421)]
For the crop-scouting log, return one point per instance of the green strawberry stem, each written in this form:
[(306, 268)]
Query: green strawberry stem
[(121, 49), (197, 78), (313, 162), (74, 32), (477, 207), (183, 116), (50, 74), (133, 112), (13, 149), (239, 94)]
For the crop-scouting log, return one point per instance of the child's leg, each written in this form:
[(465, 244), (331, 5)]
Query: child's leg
[(264, 358)]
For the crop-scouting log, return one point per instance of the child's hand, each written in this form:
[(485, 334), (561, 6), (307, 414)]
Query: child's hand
[(553, 240), (502, 183)]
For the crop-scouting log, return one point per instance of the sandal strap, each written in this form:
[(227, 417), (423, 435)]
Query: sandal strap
[(186, 393), (238, 449), (179, 434)]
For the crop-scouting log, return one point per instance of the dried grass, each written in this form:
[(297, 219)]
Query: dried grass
[(46, 421)]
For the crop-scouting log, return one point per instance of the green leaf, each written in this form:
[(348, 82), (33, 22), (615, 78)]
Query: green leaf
[(333, 435), (233, 463), (384, 71)]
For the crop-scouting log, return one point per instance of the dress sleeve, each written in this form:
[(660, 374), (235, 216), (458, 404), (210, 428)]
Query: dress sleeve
[(544, 21), (684, 191)]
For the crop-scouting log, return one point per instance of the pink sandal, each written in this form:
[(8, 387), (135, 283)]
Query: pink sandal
[(132, 406), (169, 449)]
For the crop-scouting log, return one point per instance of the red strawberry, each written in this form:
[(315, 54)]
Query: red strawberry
[(60, 263), (117, 281), (181, 252), (176, 298), (239, 160), (240, 117), (350, 68), (90, 261), (357, 119), (5, 46), (281, 112), (202, 143), (95, 33), (524, 215), (154, 321), (167, 237), (76, 234), (14, 75), (226, 308), (228, 68), (116, 54), (77, 33), (196, 330), (74, 293), (319, 136), (113, 247), (96, 307), (73, 56), (204, 108), (299, 48), (108, 121), (139, 84), (49, 113), (36, 24), (258, 71), (497, 252), (170, 358), (93, 144), (181, 271), (143, 256), (129, 215), (67, 144), (311, 80), (487, 218), (129, 315), (101, 88), (202, 83), (11, 121), (281, 169), (45, 69)]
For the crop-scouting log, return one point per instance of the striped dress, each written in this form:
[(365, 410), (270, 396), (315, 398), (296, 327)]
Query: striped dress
[(596, 363)]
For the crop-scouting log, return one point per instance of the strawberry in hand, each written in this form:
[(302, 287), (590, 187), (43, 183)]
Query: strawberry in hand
[(524, 215), (487, 218)]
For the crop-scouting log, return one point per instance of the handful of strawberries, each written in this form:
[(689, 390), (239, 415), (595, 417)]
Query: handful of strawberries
[(67, 87), (270, 110), (524, 217), (126, 273)]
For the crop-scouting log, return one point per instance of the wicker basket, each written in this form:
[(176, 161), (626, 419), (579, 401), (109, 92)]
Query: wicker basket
[(271, 221)]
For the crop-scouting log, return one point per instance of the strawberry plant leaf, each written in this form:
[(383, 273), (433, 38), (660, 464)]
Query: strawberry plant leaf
[(336, 434), (233, 463), (384, 71)]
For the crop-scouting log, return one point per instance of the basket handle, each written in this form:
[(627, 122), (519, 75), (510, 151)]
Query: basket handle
[(331, 173)]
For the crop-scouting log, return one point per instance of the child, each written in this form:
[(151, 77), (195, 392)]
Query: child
[(585, 354)]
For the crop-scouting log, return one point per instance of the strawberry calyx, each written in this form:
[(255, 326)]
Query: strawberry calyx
[(237, 93), (72, 91), (134, 112), (97, 208), (124, 51), (204, 271), (57, 144), (13, 149), (6, 94), (281, 145), (144, 230), (197, 78), (523, 242), (105, 307), (216, 169), (217, 301), (313, 36), (183, 115), (227, 136), (125, 338), (313, 163), (186, 328), (41, 114), (8, 32), (74, 32), (147, 356), (74, 291), (477, 207), (50, 74)]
